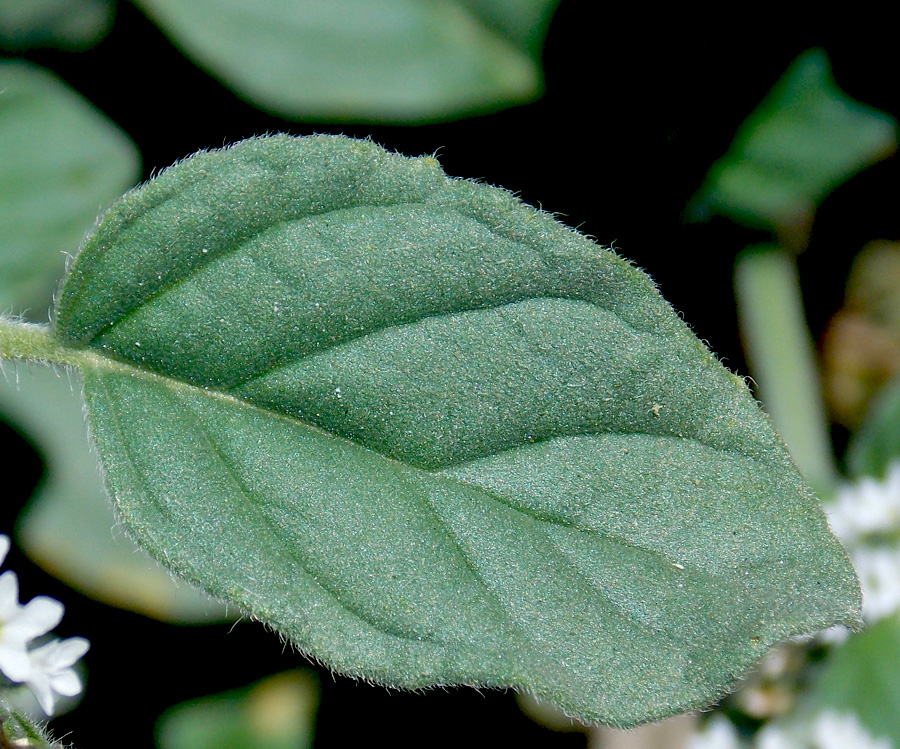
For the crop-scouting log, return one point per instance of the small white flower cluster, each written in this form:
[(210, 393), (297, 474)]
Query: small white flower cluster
[(47, 669), (863, 515), (867, 507), (829, 730)]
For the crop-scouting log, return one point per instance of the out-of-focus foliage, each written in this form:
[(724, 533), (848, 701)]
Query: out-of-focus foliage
[(877, 444), (276, 713), (69, 24), (860, 677), (771, 690), (861, 347), (802, 141), (61, 162), (524, 22), (365, 60)]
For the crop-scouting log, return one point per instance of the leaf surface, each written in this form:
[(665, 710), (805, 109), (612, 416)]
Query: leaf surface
[(66, 528), (433, 436), (365, 60), (60, 162)]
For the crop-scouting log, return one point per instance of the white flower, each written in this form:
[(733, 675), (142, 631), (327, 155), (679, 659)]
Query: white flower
[(840, 731), (868, 506), (859, 512), (830, 730), (879, 575), (718, 733), (46, 670), (20, 624), (52, 674), (4, 547), (775, 737)]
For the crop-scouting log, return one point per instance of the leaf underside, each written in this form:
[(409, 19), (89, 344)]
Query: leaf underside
[(435, 437)]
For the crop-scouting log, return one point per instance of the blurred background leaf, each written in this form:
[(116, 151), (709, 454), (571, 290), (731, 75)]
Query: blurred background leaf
[(861, 345), (523, 22), (877, 444), (61, 162), (802, 141), (781, 354), (69, 527), (67, 24), (860, 677), (276, 713), (407, 61)]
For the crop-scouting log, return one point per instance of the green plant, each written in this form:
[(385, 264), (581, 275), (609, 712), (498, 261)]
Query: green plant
[(433, 436), (447, 380)]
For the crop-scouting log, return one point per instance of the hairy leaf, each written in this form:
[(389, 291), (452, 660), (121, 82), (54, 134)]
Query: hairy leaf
[(66, 528), (365, 60), (433, 436), (60, 162)]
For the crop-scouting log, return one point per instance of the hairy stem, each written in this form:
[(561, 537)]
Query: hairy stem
[(19, 340)]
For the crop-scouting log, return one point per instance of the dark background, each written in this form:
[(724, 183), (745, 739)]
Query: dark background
[(635, 112)]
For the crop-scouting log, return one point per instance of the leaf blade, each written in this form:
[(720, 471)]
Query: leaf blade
[(66, 528), (407, 484)]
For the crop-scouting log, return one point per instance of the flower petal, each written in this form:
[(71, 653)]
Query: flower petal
[(37, 617), (66, 683), (9, 595), (14, 661), (69, 651), (42, 691)]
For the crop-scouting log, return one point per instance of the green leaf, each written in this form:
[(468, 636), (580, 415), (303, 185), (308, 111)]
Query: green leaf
[(877, 444), (800, 143), (66, 528), (61, 162), (524, 22), (365, 60), (433, 436), (69, 24), (860, 677), (276, 713)]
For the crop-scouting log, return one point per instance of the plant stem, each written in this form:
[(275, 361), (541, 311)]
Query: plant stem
[(19, 340), (781, 356)]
